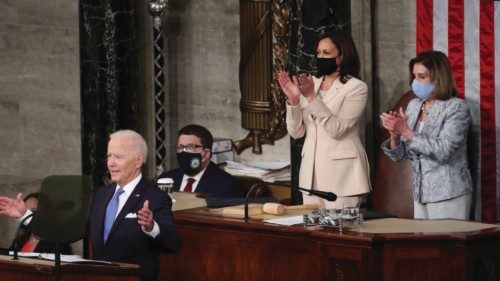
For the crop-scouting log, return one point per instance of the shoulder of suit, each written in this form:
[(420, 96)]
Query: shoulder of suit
[(212, 167), (455, 103), (220, 172), (414, 102), (105, 188), (150, 188), (354, 84)]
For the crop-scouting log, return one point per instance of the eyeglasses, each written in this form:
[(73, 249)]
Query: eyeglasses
[(191, 148)]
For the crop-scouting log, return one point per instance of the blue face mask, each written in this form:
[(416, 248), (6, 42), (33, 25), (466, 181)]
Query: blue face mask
[(422, 90)]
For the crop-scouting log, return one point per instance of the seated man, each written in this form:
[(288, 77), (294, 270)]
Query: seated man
[(196, 172)]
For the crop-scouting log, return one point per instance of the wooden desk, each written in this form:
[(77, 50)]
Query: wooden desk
[(26, 269), (216, 248)]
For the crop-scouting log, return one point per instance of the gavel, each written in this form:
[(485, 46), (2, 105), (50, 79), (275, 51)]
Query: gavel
[(280, 209)]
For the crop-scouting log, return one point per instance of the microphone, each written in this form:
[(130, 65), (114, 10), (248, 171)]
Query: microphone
[(17, 236), (329, 196), (249, 193)]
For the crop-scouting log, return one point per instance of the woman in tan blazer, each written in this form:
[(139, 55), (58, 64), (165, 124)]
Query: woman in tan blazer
[(326, 109)]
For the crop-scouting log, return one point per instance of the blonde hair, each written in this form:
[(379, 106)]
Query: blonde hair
[(138, 143)]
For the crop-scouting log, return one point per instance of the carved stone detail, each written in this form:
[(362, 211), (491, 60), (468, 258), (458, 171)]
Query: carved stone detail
[(262, 104)]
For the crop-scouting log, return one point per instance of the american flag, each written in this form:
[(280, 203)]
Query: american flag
[(468, 31)]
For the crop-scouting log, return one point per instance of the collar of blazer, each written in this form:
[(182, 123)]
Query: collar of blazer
[(332, 91), (435, 113)]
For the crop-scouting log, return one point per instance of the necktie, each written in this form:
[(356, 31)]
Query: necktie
[(111, 213), (189, 185)]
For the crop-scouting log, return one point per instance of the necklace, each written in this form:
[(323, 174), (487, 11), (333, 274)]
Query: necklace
[(424, 109)]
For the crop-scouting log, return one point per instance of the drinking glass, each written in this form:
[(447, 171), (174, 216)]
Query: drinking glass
[(167, 185)]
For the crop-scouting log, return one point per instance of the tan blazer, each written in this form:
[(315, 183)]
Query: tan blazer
[(332, 152)]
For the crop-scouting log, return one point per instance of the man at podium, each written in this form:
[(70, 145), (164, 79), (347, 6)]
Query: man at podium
[(129, 220)]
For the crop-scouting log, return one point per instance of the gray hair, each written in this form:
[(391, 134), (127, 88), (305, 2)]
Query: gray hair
[(138, 143)]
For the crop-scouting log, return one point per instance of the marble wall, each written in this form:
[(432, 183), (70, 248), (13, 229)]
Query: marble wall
[(396, 45), (205, 52), (39, 96)]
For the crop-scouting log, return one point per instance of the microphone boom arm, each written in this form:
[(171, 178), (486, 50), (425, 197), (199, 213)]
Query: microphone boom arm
[(329, 196)]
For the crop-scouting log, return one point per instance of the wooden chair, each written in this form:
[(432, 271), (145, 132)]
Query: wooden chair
[(259, 188), (393, 190)]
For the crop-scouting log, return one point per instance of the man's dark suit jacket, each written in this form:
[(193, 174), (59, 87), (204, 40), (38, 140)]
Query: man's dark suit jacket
[(214, 182), (127, 242)]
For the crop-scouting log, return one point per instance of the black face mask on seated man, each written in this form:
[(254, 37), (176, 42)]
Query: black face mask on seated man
[(190, 163)]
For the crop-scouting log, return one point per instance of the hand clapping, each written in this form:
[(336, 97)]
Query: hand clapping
[(291, 90), (295, 87), (396, 123)]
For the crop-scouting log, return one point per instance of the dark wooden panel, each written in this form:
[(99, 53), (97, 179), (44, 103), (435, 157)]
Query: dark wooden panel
[(32, 269), (217, 248), (212, 254)]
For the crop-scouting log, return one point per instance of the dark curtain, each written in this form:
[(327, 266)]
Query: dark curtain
[(109, 78), (309, 19)]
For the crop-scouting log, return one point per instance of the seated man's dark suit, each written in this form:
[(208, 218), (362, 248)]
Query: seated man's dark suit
[(127, 242), (215, 182)]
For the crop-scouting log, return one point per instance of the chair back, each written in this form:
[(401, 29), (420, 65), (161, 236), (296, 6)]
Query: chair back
[(393, 191)]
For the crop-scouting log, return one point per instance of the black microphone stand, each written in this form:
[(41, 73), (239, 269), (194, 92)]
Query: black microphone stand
[(248, 195), (57, 262), (15, 242), (328, 196), (57, 254)]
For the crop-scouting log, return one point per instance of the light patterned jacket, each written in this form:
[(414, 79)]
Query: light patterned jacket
[(438, 153)]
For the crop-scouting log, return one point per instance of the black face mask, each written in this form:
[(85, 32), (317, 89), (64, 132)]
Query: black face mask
[(190, 163), (325, 66)]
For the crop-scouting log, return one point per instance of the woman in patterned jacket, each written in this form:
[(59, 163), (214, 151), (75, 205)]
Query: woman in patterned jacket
[(432, 134)]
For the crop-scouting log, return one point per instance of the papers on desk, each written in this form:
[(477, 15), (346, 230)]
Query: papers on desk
[(186, 200), (64, 258), (26, 255), (266, 171), (288, 221)]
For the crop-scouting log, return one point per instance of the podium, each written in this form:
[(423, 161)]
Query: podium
[(389, 249), (27, 269)]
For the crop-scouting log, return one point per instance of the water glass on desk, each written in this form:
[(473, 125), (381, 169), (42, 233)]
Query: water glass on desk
[(352, 213), (167, 185)]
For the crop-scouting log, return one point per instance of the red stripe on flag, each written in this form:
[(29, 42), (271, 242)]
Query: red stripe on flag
[(456, 42), (487, 104), (424, 25)]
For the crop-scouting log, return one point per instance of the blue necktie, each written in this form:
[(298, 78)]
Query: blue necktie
[(111, 213)]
